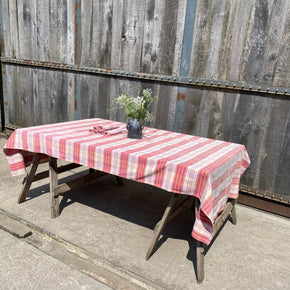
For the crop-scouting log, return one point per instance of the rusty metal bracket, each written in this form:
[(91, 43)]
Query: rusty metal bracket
[(265, 194), (176, 80)]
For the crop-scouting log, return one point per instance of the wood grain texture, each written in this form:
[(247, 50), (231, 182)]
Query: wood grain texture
[(234, 41), (6, 45), (70, 25), (281, 75), (13, 26)]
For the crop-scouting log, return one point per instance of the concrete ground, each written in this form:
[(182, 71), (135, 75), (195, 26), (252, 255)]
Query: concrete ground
[(104, 231), (22, 266)]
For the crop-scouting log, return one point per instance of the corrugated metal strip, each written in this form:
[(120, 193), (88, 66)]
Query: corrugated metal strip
[(177, 80)]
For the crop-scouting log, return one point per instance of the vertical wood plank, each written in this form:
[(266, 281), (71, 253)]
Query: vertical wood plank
[(62, 99), (281, 75), (167, 38), (117, 18), (210, 102), (235, 36), (274, 144), (201, 39), (61, 80), (85, 101), (15, 110), (184, 64), (135, 34), (88, 83), (199, 54), (6, 50), (180, 37), (104, 55), (42, 103), (86, 32), (25, 28), (70, 57), (269, 149), (257, 35), (115, 83), (13, 24), (7, 75), (105, 10), (53, 30), (35, 95), (62, 30), (165, 65), (43, 52), (151, 37), (282, 174), (54, 37), (26, 20)]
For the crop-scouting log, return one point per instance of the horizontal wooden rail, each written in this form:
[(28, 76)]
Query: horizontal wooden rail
[(62, 188), (61, 169)]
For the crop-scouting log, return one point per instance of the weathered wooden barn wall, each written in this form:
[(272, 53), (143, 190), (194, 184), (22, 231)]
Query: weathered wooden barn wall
[(224, 40)]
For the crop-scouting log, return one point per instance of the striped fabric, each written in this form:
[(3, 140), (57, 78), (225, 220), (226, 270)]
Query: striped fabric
[(205, 168)]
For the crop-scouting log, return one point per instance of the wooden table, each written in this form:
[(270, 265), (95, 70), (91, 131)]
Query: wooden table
[(203, 170)]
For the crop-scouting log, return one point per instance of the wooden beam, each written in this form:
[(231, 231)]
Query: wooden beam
[(199, 261), (29, 178), (59, 189), (61, 169), (264, 204), (233, 212), (199, 251), (176, 210), (161, 224), (53, 182)]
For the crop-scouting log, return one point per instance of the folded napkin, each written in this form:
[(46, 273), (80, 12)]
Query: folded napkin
[(107, 129), (112, 132), (103, 128)]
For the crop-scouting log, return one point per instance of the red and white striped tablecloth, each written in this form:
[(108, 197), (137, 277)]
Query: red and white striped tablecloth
[(206, 168)]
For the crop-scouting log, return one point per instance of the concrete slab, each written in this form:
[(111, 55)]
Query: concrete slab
[(13, 227), (115, 223), (24, 267)]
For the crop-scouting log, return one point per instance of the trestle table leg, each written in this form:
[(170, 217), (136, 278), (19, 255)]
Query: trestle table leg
[(233, 212), (161, 224), (199, 261), (53, 181), (29, 178), (199, 251)]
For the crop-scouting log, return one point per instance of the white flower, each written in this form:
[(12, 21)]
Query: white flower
[(136, 108)]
